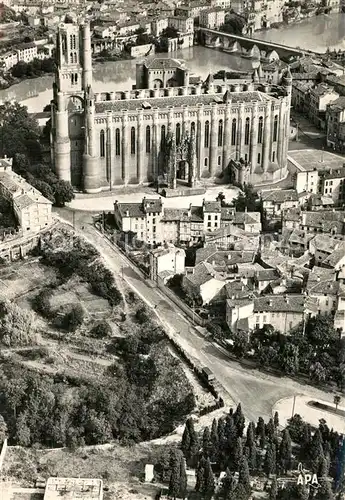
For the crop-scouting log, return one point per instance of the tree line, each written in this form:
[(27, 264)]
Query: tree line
[(34, 68), (313, 349), (259, 450)]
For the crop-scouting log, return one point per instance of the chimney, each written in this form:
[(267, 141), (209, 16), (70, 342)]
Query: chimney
[(286, 299), (127, 213), (270, 302)]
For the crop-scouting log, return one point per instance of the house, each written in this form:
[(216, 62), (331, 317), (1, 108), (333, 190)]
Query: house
[(31, 208), (283, 312), (158, 25), (182, 24), (336, 260), (264, 277), (82, 488), (320, 202), (322, 286), (212, 18), (332, 183), (250, 222), (141, 218), (326, 222), (316, 102), (166, 262), (273, 202), (204, 281), (322, 247)]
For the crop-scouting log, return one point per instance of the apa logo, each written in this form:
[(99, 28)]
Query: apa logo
[(305, 478)]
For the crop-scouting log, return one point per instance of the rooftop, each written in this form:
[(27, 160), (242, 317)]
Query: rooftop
[(179, 101), (71, 488), (280, 195), (161, 63), (313, 159)]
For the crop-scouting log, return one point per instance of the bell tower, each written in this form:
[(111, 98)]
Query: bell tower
[(73, 76)]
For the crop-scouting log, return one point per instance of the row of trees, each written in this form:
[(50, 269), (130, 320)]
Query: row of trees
[(36, 67), (263, 449), (314, 349)]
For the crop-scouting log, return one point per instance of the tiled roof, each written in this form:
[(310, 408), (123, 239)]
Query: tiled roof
[(317, 200), (23, 201), (152, 205), (247, 218), (338, 254), (324, 243), (161, 63), (227, 213), (8, 182), (203, 273), (338, 104), (329, 287), (292, 214), (333, 174), (133, 209), (176, 214), (280, 195), (318, 219), (204, 253), (267, 275), (212, 206), (197, 215), (228, 258), (280, 303), (178, 101)]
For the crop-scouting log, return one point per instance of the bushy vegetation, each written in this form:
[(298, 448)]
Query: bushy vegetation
[(17, 326), (258, 450), (72, 256), (313, 349), (21, 140), (133, 401), (34, 68)]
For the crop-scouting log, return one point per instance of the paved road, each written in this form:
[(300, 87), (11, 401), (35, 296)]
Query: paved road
[(257, 392)]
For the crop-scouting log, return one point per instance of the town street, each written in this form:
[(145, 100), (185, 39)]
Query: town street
[(258, 392)]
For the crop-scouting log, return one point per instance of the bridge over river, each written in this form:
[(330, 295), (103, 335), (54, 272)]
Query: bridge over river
[(249, 47)]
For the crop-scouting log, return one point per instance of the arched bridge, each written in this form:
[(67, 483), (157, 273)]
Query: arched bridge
[(249, 47)]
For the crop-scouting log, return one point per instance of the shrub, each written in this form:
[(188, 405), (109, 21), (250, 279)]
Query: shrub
[(141, 315), (17, 326), (101, 330), (41, 303), (74, 318)]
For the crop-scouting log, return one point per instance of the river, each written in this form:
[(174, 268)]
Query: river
[(316, 33)]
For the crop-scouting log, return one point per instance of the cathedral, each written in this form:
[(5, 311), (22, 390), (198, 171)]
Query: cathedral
[(170, 127)]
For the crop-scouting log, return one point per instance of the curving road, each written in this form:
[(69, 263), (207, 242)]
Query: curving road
[(258, 392)]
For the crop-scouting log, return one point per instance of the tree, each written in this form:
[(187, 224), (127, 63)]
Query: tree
[(238, 454), (274, 489), (316, 450), (290, 359), (270, 459), (324, 491), (227, 486), (190, 444), (183, 478), (276, 420), (74, 318), (23, 434), (244, 478), (101, 330), (214, 442), (250, 441), (206, 442), (241, 344), (296, 427), (63, 193), (270, 429), (246, 199), (239, 420), (317, 372), (336, 401), (208, 481), (285, 451), (17, 326), (3, 430), (175, 477)]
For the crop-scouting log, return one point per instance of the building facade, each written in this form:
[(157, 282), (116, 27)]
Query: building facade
[(165, 127)]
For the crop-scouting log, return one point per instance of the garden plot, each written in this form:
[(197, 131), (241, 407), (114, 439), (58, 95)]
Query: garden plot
[(20, 278)]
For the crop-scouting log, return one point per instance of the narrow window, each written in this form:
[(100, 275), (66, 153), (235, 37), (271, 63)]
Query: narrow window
[(102, 144), (219, 161), (220, 133), (148, 139), (207, 134), (273, 155), (117, 142), (260, 129), (206, 162), (233, 132), (178, 133), (275, 128), (246, 132), (162, 135), (259, 158), (132, 141), (71, 57), (76, 78), (192, 128)]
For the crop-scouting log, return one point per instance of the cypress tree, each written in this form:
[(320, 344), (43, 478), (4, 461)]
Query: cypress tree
[(250, 435), (238, 454), (316, 450), (270, 460), (209, 483), (185, 444), (274, 489), (252, 458), (244, 478), (306, 441), (270, 429), (276, 420), (260, 427), (199, 486), (206, 442), (323, 467), (285, 451), (194, 443), (174, 483), (183, 478), (239, 420), (214, 441), (324, 491)]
